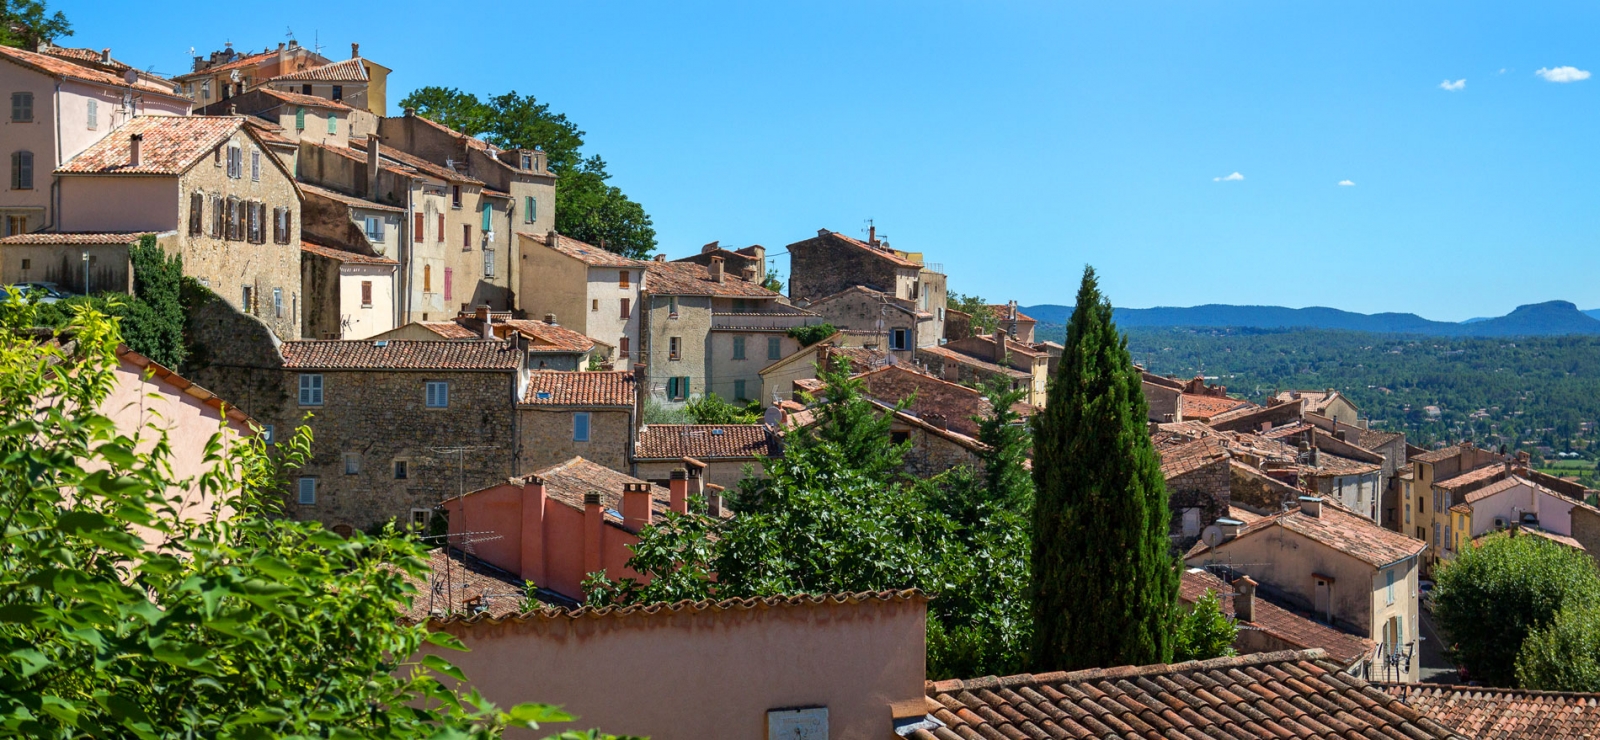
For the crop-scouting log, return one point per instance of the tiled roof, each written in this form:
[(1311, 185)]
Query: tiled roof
[(1559, 539), (1476, 476), (585, 253), (1277, 621), (895, 302), (1494, 488), (399, 354), (1439, 455), (163, 374), (437, 171), (449, 330), (347, 70), (76, 238), (171, 145), (271, 133), (670, 608), (1003, 311), (91, 56), (933, 397), (1287, 430), (1504, 714), (549, 337), (294, 98), (567, 482), (704, 441), (349, 200), (560, 388), (688, 278), (1200, 406), (59, 67), (883, 254), (1372, 439), (1187, 458), (1331, 464), (1287, 694), (972, 362), (341, 255), (1314, 400), (1348, 533), (243, 61), (459, 584)]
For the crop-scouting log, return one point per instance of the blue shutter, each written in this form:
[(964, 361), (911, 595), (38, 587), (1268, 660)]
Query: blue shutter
[(308, 491), (580, 427), (738, 390)]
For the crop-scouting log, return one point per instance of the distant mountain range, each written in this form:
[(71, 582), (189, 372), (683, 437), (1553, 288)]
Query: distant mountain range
[(1538, 319)]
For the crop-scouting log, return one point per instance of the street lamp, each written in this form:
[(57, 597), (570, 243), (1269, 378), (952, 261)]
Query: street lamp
[(86, 273)]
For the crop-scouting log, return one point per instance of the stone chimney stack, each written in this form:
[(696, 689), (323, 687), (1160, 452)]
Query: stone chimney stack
[(697, 479), (1311, 505), (872, 235), (636, 506), (550, 319), (1244, 599), (1230, 528), (105, 55), (374, 164), (716, 270), (678, 491), (714, 499), (487, 320), (999, 347), (134, 143), (749, 274), (355, 51)]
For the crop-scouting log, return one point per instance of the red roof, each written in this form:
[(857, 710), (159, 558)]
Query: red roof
[(341, 255), (171, 145), (585, 253), (295, 98), (416, 163), (399, 354), (1479, 712), (1348, 533), (1192, 456), (688, 278), (547, 337), (1200, 406), (77, 238), (1277, 621), (449, 330), (347, 70), (932, 398), (704, 441), (972, 362), (560, 388), (59, 67)]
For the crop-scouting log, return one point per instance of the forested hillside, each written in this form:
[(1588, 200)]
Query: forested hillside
[(1541, 391)]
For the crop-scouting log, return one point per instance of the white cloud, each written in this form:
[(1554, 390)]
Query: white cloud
[(1347, 183), (1563, 74), (1235, 177), (1502, 70), (1452, 86)]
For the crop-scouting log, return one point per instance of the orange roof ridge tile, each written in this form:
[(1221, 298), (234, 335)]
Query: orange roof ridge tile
[(687, 606)]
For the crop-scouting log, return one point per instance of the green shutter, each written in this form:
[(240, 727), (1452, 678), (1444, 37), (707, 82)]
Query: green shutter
[(299, 119), (333, 123), (488, 211)]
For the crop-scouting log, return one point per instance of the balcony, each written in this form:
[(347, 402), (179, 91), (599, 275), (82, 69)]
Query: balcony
[(933, 267)]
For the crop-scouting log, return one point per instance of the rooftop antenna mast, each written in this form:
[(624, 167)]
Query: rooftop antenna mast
[(289, 33)]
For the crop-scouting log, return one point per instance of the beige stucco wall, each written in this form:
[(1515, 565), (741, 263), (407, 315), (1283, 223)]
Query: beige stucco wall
[(366, 320), (707, 674), (692, 325), (606, 322), (118, 203), (63, 265), (552, 282), (316, 129), (777, 380), (726, 372)]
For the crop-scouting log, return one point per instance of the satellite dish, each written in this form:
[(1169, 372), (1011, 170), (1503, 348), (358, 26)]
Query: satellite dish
[(130, 76), (1212, 535)]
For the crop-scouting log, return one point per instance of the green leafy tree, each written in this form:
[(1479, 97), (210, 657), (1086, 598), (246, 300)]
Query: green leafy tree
[(29, 24), (713, 410), (1563, 655), (1204, 632), (122, 617), (984, 320), (1490, 598), (588, 207), (154, 324), (675, 554), (809, 335), (771, 281), (1104, 579)]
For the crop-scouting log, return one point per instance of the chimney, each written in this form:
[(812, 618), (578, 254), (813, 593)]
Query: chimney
[(105, 55), (355, 51), (936, 420), (1266, 426), (714, 499), (532, 533), (697, 479), (1342, 435), (593, 524), (749, 273), (483, 317), (872, 235), (999, 348), (134, 142), (636, 506), (712, 247), (550, 319), (660, 258), (1311, 505), (1230, 528), (678, 491), (409, 112), (1244, 599), (373, 166), (716, 269)]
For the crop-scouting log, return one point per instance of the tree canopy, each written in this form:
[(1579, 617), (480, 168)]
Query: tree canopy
[(29, 24)]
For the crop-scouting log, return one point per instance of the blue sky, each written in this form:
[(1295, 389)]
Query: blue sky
[(1015, 142)]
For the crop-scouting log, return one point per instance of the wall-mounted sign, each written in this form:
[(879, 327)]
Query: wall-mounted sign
[(810, 723)]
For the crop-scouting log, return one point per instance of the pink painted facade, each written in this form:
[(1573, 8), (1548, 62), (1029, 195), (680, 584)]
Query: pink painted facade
[(708, 670)]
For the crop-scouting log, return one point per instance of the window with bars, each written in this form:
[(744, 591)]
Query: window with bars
[(438, 392)]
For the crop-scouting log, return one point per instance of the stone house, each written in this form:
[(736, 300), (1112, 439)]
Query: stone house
[(724, 450), (706, 331), (1341, 568), (960, 367), (1425, 504), (585, 288), (235, 209), (372, 231), (348, 294), (298, 116), (546, 345), (1391, 446), (1329, 403), (357, 82), (831, 262), (1003, 351), (901, 326), (591, 415), (58, 107), (1199, 488), (736, 261), (78, 263), (859, 349), (1265, 627), (1016, 324), (226, 73)]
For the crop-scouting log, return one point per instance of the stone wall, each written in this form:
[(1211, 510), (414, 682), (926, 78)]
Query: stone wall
[(547, 437), (931, 454), (319, 285), (235, 355), (1164, 404), (1259, 492), (1206, 489), (822, 266), (1586, 529), (692, 326)]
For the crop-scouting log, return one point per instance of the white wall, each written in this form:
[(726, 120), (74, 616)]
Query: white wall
[(364, 321)]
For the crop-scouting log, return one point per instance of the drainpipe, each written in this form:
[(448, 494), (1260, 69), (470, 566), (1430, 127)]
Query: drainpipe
[(402, 297), (55, 182)]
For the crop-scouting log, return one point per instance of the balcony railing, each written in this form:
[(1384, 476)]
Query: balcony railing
[(763, 320), (933, 267)]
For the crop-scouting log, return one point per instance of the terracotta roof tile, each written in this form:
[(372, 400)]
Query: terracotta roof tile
[(585, 253), (1189, 457), (59, 67), (334, 253), (1474, 477), (294, 98), (1277, 621), (546, 337), (972, 362), (1439, 455), (1287, 694), (704, 441), (934, 398), (1348, 533), (688, 278), (437, 171), (171, 145), (1315, 401), (1201, 406), (76, 238), (668, 609), (1510, 714), (560, 388), (449, 330), (399, 354), (92, 56), (246, 60), (346, 70), (349, 200), (460, 584)]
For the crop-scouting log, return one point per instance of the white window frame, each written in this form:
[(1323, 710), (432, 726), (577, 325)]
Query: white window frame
[(94, 114), (437, 394), (352, 463), (307, 491), (582, 426), (899, 339), (310, 389)]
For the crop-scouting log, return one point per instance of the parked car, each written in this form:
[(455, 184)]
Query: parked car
[(1425, 594), (44, 292)]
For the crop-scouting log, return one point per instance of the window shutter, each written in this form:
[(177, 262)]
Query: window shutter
[(197, 204), (441, 228), (255, 166), (308, 491), (417, 229), (300, 119), (366, 292), (16, 170), (427, 278), (488, 213), (449, 274), (580, 427), (627, 309), (530, 210), (333, 123)]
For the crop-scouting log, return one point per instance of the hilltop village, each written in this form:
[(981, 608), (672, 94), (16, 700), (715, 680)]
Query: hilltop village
[(532, 406)]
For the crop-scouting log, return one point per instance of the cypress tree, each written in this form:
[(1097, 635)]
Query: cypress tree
[(1105, 581)]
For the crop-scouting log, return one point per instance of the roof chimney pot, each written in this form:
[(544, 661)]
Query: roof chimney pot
[(105, 54), (1311, 505), (134, 142), (716, 270), (1244, 599), (355, 51), (550, 319)]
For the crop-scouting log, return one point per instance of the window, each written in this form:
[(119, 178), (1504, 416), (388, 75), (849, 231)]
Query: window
[(774, 348), (17, 225), (22, 171), (899, 438), (310, 390), (419, 518), (417, 228), (441, 228), (338, 92), (235, 162), (898, 339), (374, 228), (1388, 577), (488, 263), (218, 218), (25, 263), (94, 114), (366, 294), (488, 217), (672, 307), (580, 426), (352, 463), (1408, 512), (438, 394), (738, 390), (427, 278), (333, 123), (941, 313), (622, 348), (205, 89), (627, 309), (400, 472), (594, 304), (1448, 543), (530, 212), (738, 348), (1435, 541), (255, 165), (455, 196), (197, 208), (305, 89), (449, 281), (674, 348), (1191, 521), (308, 491), (247, 300), (22, 107), (277, 303), (280, 225), (677, 388), (622, 279), (466, 237), (527, 164)]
